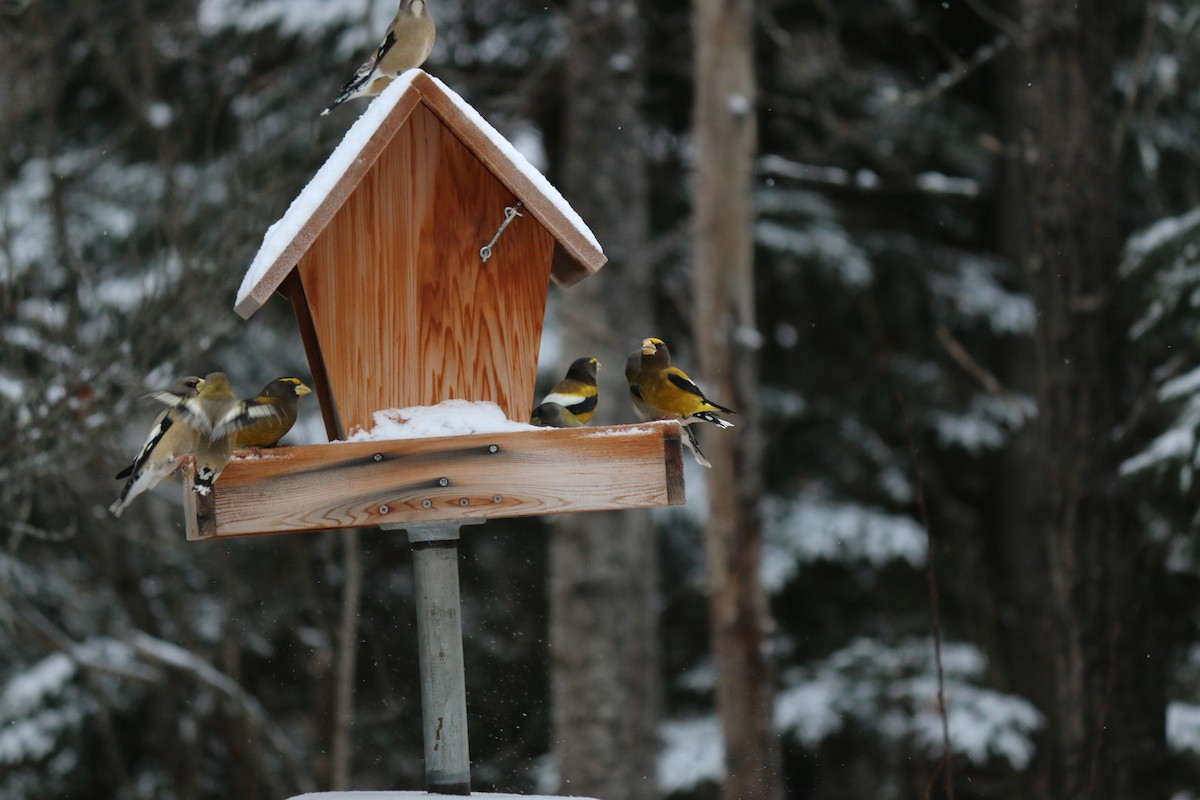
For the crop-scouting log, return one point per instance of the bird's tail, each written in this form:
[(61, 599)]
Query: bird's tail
[(353, 87), (689, 441), (708, 416)]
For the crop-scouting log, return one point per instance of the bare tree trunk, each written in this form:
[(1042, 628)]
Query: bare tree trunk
[(1103, 691), (604, 567), (342, 748), (727, 341)]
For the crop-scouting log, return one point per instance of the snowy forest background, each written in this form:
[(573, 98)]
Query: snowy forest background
[(977, 342)]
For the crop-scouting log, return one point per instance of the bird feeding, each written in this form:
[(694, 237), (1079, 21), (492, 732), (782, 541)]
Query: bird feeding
[(380, 258)]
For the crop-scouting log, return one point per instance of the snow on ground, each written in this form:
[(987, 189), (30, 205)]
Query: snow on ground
[(447, 418)]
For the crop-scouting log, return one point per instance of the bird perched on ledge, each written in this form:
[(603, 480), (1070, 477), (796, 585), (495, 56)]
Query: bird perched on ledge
[(170, 439), (669, 393), (216, 415), (284, 394), (632, 365), (552, 415), (406, 45), (577, 392)]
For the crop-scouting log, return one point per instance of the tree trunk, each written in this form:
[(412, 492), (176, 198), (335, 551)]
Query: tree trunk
[(1103, 694), (727, 340), (603, 567)]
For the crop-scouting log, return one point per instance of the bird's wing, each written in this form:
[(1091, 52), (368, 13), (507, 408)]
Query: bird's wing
[(682, 381), (161, 426), (577, 403), (241, 415)]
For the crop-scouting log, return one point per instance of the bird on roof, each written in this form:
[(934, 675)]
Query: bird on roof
[(217, 415), (669, 393), (644, 413), (553, 415), (168, 442), (578, 392), (284, 394), (406, 45)]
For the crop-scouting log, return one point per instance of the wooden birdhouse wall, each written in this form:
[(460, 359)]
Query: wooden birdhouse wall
[(405, 311)]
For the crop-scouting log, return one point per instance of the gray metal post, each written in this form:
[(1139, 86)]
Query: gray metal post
[(440, 650)]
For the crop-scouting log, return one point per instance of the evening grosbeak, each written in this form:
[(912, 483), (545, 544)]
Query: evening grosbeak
[(552, 415), (169, 440), (577, 392), (407, 43), (284, 394), (217, 415), (632, 365), (669, 393)]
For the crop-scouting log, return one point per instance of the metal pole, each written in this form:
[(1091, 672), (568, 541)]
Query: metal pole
[(440, 651)]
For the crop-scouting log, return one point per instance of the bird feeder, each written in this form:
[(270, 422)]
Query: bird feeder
[(418, 262)]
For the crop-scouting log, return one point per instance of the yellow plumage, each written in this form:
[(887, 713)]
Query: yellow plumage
[(284, 394), (669, 393), (578, 392), (170, 439)]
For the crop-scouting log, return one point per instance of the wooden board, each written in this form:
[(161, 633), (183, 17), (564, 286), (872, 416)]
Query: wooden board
[(406, 312), (483, 476)]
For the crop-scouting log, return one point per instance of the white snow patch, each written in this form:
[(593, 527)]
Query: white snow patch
[(815, 528), (693, 752), (447, 418), (893, 691), (1183, 727)]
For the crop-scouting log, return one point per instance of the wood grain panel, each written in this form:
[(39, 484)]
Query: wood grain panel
[(406, 312), (484, 476)]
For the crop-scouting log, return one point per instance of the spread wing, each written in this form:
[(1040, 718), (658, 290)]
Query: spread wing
[(241, 415)]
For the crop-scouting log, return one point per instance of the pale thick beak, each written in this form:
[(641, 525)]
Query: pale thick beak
[(302, 390)]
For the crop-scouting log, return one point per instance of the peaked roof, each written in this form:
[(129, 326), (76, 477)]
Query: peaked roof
[(577, 256)]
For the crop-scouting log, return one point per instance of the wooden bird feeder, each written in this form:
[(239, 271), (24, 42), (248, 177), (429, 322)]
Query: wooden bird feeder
[(418, 262)]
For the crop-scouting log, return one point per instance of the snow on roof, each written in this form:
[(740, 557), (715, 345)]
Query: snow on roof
[(447, 418), (286, 241)]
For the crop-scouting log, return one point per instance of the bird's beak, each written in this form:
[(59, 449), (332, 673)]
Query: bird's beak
[(648, 348), (302, 390)]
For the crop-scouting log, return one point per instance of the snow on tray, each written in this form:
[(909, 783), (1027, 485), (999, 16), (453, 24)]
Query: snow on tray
[(280, 235), (447, 418)]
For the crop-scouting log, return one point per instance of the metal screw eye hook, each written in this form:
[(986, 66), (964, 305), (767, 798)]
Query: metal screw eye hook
[(510, 213)]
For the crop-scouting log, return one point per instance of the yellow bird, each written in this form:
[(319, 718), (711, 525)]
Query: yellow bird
[(669, 393), (169, 441), (577, 392), (284, 394), (633, 365), (552, 415), (407, 43), (217, 415)]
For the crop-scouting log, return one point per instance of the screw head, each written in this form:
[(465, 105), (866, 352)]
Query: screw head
[(464, 502), (497, 498), (383, 509), (426, 504), (443, 481), (378, 456), (493, 448)]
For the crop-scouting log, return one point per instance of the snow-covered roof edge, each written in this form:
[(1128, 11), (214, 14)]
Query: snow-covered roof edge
[(287, 240)]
